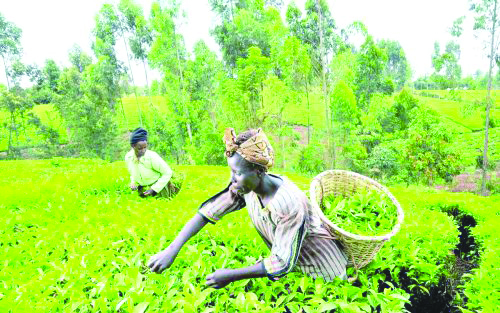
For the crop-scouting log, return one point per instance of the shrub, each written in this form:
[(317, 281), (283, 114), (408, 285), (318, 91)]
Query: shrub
[(310, 159), (383, 161)]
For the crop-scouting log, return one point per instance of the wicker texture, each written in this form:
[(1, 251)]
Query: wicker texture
[(360, 249)]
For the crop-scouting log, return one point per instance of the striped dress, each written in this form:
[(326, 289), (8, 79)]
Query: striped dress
[(292, 231)]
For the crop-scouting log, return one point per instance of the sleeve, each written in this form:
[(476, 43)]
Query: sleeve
[(221, 204), (128, 163), (289, 234), (159, 165)]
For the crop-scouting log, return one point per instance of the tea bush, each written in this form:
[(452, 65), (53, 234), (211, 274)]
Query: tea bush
[(76, 239)]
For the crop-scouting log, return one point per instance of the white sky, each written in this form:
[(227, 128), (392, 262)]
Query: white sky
[(51, 27)]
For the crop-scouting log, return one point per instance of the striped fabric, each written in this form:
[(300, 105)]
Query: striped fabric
[(294, 234)]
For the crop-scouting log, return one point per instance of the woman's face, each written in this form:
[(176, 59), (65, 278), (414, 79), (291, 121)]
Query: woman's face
[(140, 148), (244, 177)]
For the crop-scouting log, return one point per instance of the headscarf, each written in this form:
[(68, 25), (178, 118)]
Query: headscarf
[(256, 149), (139, 134)]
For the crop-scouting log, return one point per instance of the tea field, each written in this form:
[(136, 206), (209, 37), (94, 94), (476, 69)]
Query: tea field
[(75, 239), (450, 106)]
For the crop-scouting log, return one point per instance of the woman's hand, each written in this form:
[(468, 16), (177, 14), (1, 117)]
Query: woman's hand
[(149, 192), (220, 278), (133, 186), (162, 260)]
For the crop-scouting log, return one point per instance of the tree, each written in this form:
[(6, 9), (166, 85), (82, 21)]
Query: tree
[(314, 30), (447, 71), (10, 43), (295, 65), (428, 152), (140, 39), (17, 104), (397, 67), (204, 74), (242, 97), (168, 53), (369, 71), (245, 24), (487, 20), (402, 111), (278, 96), (343, 107), (84, 106), (106, 29), (51, 72), (16, 72), (79, 58)]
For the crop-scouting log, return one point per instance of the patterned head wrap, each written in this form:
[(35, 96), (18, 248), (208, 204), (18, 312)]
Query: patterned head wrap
[(256, 149)]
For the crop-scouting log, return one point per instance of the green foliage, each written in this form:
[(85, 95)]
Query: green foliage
[(471, 145), (384, 162), (244, 24), (165, 137), (405, 105), (79, 59), (51, 72), (17, 105), (454, 111), (353, 155), (397, 67), (307, 30), (10, 43), (428, 153), (447, 71), (311, 159), (343, 67), (135, 23), (365, 213), (87, 105), (372, 61), (294, 63), (85, 249), (242, 96)]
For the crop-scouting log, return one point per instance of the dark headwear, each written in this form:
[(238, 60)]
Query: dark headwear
[(139, 134)]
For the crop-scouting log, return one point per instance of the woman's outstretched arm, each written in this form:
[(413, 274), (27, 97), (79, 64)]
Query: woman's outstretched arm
[(162, 260), (222, 277)]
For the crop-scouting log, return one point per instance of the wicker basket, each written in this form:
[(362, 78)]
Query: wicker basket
[(360, 249)]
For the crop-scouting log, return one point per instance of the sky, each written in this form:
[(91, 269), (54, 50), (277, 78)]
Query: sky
[(51, 27)]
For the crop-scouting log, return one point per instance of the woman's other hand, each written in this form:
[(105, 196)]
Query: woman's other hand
[(220, 278), (149, 192)]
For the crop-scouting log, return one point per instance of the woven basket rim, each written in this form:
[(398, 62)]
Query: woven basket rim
[(314, 203)]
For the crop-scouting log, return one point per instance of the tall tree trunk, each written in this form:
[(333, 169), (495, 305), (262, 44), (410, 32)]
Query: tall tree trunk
[(181, 89), (488, 102), (212, 111), (325, 93), (6, 74), (308, 116), (133, 82), (23, 125), (9, 150), (123, 112), (147, 82)]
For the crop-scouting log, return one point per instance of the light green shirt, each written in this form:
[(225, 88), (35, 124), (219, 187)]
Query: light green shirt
[(150, 169)]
